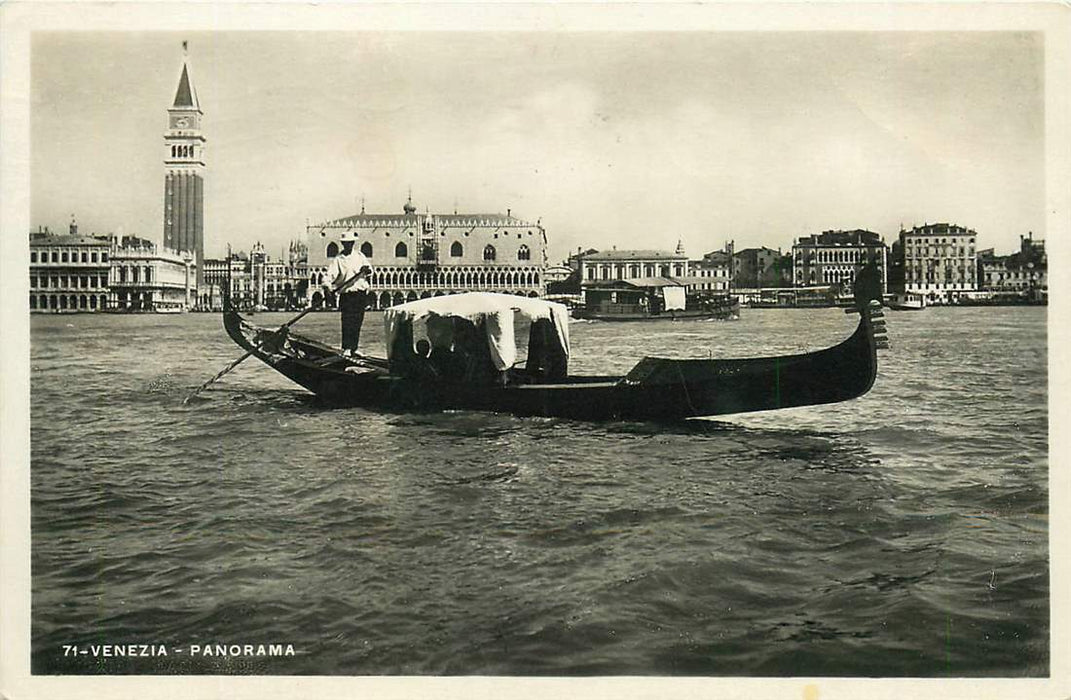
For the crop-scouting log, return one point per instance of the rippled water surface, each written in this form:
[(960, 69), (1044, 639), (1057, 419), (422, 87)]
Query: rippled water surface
[(903, 533)]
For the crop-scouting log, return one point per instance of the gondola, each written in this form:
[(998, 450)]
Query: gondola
[(476, 368)]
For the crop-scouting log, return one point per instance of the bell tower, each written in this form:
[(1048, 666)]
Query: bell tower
[(184, 166)]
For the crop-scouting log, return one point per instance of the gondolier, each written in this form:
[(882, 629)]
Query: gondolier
[(348, 276)]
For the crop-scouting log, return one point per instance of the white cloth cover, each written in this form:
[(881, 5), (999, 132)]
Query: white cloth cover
[(497, 310), (500, 339), (674, 297)]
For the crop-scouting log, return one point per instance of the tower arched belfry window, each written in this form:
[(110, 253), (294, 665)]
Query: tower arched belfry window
[(401, 251), (456, 250), (332, 249), (489, 253), (523, 253), (366, 249)]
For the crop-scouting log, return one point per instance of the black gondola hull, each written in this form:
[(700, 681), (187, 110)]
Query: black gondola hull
[(656, 389)]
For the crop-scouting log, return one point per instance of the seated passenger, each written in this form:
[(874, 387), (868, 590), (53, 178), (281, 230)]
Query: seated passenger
[(546, 359), (442, 355), (401, 351), (470, 342), (422, 368)]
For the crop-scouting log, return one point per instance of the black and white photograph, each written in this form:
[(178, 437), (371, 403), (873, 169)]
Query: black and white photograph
[(646, 349)]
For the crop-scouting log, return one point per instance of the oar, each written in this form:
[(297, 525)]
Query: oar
[(244, 357)]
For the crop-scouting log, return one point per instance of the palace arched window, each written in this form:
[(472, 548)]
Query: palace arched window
[(456, 250), (332, 249), (523, 253), (366, 249), (489, 253), (401, 251)]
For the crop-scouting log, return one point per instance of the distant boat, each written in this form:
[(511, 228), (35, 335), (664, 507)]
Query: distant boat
[(908, 301), (654, 299), (468, 362)]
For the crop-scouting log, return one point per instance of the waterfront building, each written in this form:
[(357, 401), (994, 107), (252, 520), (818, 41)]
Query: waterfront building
[(210, 292), (938, 262), (277, 284), (574, 260), (832, 259), (415, 256), (233, 270), (605, 274), (714, 271), (1023, 274), (68, 272), (755, 268), (257, 280), (145, 277), (184, 166), (627, 265)]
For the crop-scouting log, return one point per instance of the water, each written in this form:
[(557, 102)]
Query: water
[(901, 534)]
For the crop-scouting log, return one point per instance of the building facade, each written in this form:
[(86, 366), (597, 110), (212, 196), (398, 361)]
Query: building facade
[(257, 280), (939, 262), (606, 265), (220, 272), (1023, 274), (714, 271), (147, 278), (832, 258), (184, 167), (68, 273), (277, 284), (415, 256), (755, 268)]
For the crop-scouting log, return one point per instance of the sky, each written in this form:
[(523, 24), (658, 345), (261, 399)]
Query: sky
[(626, 139)]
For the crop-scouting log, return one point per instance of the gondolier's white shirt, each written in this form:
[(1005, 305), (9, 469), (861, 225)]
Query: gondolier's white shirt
[(345, 267)]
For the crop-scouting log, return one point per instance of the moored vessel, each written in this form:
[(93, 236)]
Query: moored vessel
[(907, 301), (653, 299)]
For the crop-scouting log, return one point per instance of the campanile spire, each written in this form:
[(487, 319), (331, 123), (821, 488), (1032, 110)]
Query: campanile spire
[(184, 168)]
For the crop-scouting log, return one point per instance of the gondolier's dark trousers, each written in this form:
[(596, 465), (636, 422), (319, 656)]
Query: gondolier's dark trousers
[(352, 306)]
